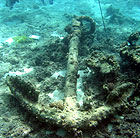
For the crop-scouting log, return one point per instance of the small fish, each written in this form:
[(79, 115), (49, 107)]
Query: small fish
[(10, 3)]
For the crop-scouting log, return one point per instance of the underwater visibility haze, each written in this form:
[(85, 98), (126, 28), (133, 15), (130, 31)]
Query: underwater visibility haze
[(69, 69)]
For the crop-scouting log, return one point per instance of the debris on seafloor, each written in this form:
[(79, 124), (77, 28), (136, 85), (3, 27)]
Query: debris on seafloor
[(114, 90)]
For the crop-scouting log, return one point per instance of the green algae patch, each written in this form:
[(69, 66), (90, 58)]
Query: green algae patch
[(22, 39)]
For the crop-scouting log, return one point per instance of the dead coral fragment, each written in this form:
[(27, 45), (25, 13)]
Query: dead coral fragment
[(103, 64), (133, 38), (131, 54), (120, 93)]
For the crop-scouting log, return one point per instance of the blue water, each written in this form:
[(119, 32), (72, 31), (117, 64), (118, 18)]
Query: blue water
[(32, 15)]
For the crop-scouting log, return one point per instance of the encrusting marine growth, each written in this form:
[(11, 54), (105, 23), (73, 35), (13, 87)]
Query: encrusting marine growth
[(67, 113)]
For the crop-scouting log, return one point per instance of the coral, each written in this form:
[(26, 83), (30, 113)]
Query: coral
[(133, 38), (131, 55), (111, 11), (115, 15), (120, 93), (103, 64)]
